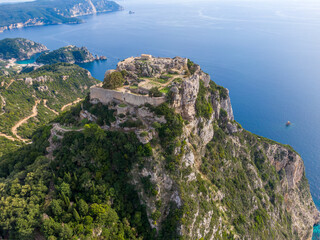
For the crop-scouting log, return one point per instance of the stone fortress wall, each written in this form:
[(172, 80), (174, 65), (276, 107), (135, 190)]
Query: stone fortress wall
[(107, 96)]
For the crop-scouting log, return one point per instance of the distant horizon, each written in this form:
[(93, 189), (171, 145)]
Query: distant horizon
[(14, 1)]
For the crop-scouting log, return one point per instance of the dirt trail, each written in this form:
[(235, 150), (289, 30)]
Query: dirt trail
[(22, 121), (8, 137), (46, 106), (3, 103), (72, 103), (12, 80)]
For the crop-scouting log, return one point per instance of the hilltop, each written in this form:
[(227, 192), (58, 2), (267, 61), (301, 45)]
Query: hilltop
[(68, 54), (46, 12), (19, 49), (154, 153)]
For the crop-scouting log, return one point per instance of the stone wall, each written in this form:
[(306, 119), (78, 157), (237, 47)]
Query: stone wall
[(106, 96)]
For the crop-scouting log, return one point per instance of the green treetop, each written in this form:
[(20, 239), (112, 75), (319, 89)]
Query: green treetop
[(113, 80)]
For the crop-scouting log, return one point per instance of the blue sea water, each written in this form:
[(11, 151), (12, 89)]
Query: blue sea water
[(266, 52)]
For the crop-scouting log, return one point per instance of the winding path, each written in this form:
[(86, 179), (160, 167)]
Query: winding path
[(46, 106), (72, 103), (12, 80), (8, 137), (3, 103), (34, 113), (22, 121)]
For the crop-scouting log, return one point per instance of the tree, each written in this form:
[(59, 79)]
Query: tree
[(83, 207), (113, 80), (154, 92)]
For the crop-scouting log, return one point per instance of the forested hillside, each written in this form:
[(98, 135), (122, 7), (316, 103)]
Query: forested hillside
[(19, 48), (29, 100)]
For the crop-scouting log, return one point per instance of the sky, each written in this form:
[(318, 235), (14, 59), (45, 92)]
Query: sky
[(14, 1)]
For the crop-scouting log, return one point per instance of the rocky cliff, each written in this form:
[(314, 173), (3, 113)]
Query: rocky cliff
[(214, 179)]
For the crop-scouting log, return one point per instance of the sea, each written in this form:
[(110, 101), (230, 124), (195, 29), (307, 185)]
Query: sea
[(266, 52)]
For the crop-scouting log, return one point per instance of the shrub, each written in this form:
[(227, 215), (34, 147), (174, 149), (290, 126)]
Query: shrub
[(203, 107), (223, 113), (154, 92), (143, 134), (113, 80), (156, 215), (191, 67), (131, 124)]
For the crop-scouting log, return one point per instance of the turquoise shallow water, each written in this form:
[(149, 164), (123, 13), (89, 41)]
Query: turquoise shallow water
[(31, 60), (266, 52)]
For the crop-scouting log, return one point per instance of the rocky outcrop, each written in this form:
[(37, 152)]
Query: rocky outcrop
[(153, 67)]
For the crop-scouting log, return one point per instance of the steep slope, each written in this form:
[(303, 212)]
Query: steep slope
[(19, 48), (183, 169)]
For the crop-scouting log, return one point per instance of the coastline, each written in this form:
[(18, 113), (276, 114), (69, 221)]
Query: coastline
[(39, 21)]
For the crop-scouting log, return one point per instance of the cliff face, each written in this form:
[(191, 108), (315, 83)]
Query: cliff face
[(88, 7), (216, 180)]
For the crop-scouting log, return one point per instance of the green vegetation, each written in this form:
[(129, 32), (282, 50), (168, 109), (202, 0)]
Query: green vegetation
[(203, 106), (19, 48), (154, 92), (113, 80), (132, 123), (192, 67), (165, 90), (64, 84), (77, 194), (236, 183), (105, 116), (69, 54), (122, 105), (49, 12)]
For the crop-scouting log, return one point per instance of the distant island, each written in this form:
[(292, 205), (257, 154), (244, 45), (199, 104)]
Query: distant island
[(68, 54), (46, 12)]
